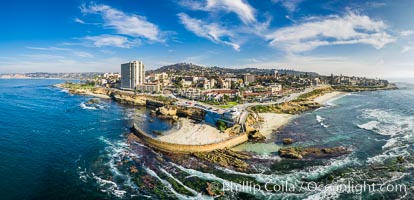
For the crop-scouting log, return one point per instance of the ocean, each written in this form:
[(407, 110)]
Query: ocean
[(53, 145)]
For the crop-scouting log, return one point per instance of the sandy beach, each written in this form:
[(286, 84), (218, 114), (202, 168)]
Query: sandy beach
[(194, 134), (324, 99), (273, 121)]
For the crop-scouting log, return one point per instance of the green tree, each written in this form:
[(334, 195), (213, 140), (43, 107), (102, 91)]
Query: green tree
[(221, 125)]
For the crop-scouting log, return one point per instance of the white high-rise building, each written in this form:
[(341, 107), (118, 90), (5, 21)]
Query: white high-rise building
[(132, 74)]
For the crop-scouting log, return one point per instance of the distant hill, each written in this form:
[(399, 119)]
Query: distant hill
[(178, 67), (192, 69)]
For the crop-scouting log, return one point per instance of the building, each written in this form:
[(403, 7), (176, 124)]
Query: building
[(276, 74), (157, 77), (275, 88), (149, 88), (191, 93), (248, 78), (132, 75)]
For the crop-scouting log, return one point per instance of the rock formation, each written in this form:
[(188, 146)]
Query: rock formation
[(225, 158), (287, 141), (256, 136), (299, 152)]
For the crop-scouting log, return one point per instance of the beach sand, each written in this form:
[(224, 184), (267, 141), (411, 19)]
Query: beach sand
[(194, 134), (324, 99), (273, 121)]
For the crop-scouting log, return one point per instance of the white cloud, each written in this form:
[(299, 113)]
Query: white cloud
[(241, 8), (290, 5), (334, 30), (83, 54), (126, 24), (211, 31), (112, 41), (406, 33), (407, 49), (77, 20)]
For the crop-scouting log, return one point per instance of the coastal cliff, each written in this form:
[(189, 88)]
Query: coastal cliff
[(123, 97)]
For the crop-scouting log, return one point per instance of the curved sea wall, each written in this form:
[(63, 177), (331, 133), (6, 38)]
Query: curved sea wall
[(183, 148)]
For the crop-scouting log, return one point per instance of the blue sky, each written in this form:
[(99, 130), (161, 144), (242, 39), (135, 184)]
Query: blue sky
[(354, 37)]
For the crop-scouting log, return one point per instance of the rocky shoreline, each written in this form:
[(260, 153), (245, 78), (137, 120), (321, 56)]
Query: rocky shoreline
[(390, 86), (164, 109), (119, 96)]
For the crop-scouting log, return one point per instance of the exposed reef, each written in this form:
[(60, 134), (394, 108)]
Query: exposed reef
[(301, 152), (225, 158)]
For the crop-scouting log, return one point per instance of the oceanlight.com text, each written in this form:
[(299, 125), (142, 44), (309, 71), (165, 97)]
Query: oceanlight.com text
[(286, 187)]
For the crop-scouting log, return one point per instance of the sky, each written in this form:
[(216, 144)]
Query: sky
[(353, 37)]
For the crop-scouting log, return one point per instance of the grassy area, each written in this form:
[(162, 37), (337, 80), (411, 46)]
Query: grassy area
[(228, 105), (299, 105), (76, 86), (313, 94)]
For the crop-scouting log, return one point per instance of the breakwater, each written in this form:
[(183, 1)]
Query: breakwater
[(183, 148)]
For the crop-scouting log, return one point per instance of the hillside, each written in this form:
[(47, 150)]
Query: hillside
[(192, 69)]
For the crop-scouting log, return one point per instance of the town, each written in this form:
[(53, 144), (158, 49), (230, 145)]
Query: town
[(223, 87)]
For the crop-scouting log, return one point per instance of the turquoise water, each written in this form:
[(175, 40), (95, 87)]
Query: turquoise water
[(54, 146)]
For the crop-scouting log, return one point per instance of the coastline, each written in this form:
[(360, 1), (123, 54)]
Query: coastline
[(103, 96), (324, 99), (273, 121), (83, 92)]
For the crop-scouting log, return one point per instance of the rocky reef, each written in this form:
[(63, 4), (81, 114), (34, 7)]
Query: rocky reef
[(390, 86), (287, 141), (225, 158), (234, 130), (300, 152), (256, 136), (129, 99)]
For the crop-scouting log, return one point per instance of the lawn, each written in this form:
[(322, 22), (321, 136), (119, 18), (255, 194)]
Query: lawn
[(228, 105)]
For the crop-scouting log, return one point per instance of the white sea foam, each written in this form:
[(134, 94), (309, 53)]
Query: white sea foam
[(392, 142), (212, 177), (109, 186), (116, 152), (400, 129), (267, 157), (387, 122), (372, 125), (321, 120), (168, 186), (199, 195), (390, 153), (296, 176), (84, 106)]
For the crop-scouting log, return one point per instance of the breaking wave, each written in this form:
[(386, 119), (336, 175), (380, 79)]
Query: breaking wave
[(84, 106), (399, 128), (321, 120)]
